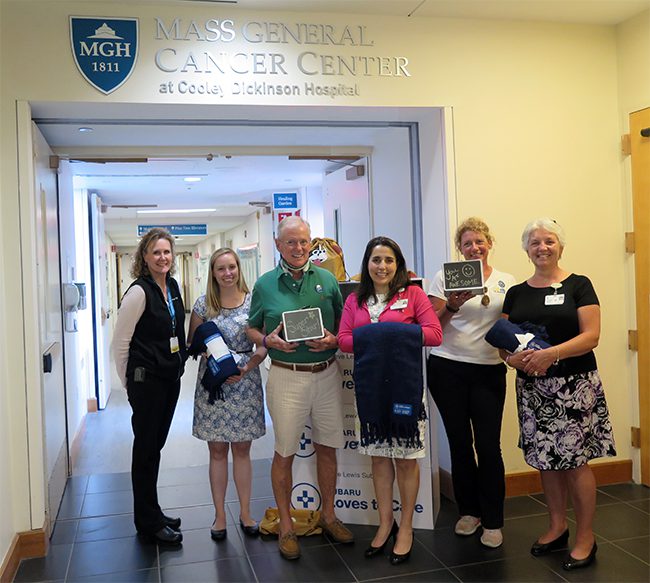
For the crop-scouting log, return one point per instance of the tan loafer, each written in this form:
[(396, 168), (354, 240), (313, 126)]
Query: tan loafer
[(337, 531), (288, 546)]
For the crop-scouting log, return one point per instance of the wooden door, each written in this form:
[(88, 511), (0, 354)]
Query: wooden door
[(640, 142)]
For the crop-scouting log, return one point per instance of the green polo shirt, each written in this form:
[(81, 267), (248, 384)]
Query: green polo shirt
[(277, 292)]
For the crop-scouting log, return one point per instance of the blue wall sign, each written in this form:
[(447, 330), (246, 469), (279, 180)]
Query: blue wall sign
[(285, 200), (176, 230), (104, 49)]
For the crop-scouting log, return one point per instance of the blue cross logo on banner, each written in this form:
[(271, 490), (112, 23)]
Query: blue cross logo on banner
[(104, 49), (305, 496)]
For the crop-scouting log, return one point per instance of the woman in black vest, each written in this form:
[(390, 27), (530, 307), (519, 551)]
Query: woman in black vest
[(150, 353)]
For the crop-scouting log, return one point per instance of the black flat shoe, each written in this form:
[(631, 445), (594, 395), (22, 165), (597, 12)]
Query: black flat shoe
[(374, 551), (218, 535), (396, 559), (570, 563), (173, 523), (249, 530), (165, 537), (538, 549)]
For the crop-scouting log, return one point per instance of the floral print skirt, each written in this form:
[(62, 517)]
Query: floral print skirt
[(563, 421)]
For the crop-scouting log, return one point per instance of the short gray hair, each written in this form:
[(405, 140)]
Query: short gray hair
[(548, 225), (292, 221)]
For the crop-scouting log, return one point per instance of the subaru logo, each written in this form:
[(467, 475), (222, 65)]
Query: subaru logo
[(305, 496), (104, 49), (306, 445)]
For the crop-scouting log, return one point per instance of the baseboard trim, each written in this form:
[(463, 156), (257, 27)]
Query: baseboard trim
[(524, 483), (77, 442), (25, 545), (91, 405)]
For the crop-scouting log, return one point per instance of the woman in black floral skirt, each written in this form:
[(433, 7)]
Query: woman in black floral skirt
[(563, 416)]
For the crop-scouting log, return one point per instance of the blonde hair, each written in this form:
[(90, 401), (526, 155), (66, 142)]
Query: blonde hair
[(212, 292), (139, 267), (473, 224)]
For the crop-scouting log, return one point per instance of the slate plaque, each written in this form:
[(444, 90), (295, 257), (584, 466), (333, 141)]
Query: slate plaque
[(463, 276), (306, 324)]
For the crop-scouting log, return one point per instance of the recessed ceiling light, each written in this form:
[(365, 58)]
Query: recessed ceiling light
[(192, 179), (174, 211), (85, 129)]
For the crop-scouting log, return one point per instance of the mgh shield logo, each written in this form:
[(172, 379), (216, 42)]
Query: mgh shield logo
[(104, 49), (305, 496)]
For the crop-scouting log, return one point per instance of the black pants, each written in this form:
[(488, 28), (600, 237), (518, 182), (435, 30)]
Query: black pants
[(470, 398), (153, 403)]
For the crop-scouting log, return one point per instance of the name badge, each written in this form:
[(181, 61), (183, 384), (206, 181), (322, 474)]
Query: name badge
[(400, 304), (173, 344), (554, 300)]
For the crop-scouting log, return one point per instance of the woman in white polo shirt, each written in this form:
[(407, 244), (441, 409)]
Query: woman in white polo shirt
[(467, 380)]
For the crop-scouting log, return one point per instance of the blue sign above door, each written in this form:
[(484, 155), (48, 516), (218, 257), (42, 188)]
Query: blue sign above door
[(285, 200), (177, 230)]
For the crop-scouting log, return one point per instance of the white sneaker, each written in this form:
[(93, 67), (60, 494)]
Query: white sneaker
[(492, 538), (467, 525)]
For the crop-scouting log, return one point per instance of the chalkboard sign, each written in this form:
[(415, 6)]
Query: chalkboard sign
[(463, 276), (302, 325)]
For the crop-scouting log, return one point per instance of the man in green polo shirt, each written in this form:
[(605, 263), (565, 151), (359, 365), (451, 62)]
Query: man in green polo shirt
[(304, 379)]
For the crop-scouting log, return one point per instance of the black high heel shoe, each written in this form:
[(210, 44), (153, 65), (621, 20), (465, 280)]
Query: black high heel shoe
[(570, 563), (374, 551), (396, 559), (538, 549)]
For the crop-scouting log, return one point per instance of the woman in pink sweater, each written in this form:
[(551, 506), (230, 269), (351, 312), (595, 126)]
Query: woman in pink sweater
[(385, 294)]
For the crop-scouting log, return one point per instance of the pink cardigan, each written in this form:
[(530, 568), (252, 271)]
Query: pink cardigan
[(417, 311)]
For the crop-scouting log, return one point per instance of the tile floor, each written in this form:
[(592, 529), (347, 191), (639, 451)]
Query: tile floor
[(94, 540)]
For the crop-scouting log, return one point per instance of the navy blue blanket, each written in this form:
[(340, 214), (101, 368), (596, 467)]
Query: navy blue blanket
[(388, 383)]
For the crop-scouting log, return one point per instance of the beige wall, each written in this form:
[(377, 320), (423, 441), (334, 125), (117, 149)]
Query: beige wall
[(536, 124)]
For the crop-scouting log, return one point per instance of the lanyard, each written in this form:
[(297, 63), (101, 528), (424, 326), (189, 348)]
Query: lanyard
[(172, 311)]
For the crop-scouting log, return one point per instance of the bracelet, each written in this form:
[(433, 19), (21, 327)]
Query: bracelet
[(264, 341), (508, 363), (557, 358), (450, 309)]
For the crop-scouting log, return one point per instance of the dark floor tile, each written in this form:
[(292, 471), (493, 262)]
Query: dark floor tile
[(261, 487), (261, 468), (639, 547), (642, 505), (363, 569), (620, 521), (233, 570), (515, 569), (194, 517), (184, 495), (70, 506), (76, 485), (258, 508), (523, 506), (269, 544), (362, 531), (65, 532), (111, 556), (50, 568), (142, 576), (316, 564), (437, 576), (612, 565), (107, 503), (106, 527), (602, 499), (199, 547), (627, 492), (108, 483)]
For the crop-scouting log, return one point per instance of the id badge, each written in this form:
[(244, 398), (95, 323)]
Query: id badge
[(554, 300), (400, 304), (173, 344)]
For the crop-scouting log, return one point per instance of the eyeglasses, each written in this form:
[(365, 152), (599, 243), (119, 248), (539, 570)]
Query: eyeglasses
[(485, 300), (295, 243)]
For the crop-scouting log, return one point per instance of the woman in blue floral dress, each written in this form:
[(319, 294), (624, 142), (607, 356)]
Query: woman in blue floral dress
[(231, 423), (563, 416)]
